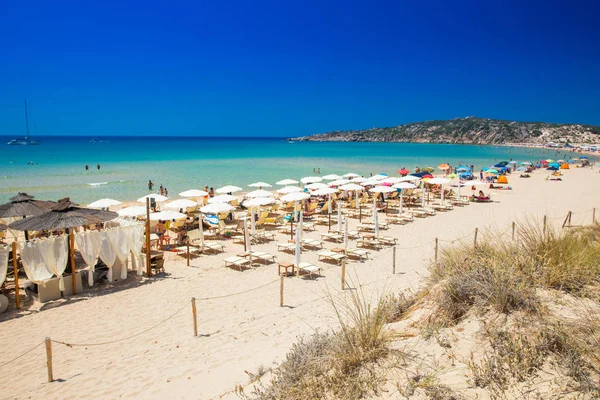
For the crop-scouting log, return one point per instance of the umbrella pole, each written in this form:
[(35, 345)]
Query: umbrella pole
[(16, 273), (72, 257), (148, 264)]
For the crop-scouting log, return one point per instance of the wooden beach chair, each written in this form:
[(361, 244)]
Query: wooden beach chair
[(330, 255), (239, 262), (307, 268)]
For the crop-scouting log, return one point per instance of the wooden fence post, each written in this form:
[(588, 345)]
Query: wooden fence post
[(475, 238), (545, 224), (343, 274), (394, 261), (16, 272), (570, 216), (49, 359), (282, 276), (593, 215), (194, 315), (513, 230), (188, 253), (436, 249)]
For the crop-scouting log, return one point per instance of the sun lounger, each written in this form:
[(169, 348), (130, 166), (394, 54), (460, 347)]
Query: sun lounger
[(263, 235), (332, 236), (330, 255), (236, 261), (441, 207), (399, 219), (258, 255), (216, 247), (375, 243), (182, 250), (358, 253), (286, 247), (387, 240), (308, 268), (313, 243)]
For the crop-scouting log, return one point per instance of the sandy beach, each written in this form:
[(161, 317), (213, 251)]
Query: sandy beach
[(137, 335)]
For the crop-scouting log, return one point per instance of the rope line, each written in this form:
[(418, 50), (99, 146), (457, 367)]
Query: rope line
[(123, 339), (236, 294), (27, 352)]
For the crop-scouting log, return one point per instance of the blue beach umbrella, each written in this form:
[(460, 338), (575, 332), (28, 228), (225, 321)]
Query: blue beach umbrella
[(463, 169), (557, 165), (553, 168), (583, 157), (521, 169)]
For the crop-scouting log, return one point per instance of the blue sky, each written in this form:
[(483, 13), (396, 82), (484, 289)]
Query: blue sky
[(273, 68)]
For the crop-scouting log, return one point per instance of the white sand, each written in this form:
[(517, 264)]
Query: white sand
[(238, 333)]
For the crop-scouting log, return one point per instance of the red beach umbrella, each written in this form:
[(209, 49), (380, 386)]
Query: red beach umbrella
[(403, 172)]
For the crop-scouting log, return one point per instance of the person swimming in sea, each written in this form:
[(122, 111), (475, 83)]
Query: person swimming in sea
[(98, 166), (87, 167), (150, 184)]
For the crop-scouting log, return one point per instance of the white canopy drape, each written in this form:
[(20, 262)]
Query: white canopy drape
[(4, 250), (89, 244), (54, 253)]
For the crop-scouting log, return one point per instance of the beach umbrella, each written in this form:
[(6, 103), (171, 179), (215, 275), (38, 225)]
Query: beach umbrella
[(382, 189), (332, 177), (339, 182), (581, 158), (63, 215), (259, 201), (439, 181), (311, 179), (410, 178), (324, 192), (512, 162), (351, 175), (289, 189), (104, 203), (444, 167), (492, 171), (402, 186), (3, 227), (549, 160), (181, 204), (403, 171), (521, 169), (370, 182), (259, 193), (295, 197), (316, 185), (286, 182), (378, 177), (358, 179), (503, 163), (157, 198), (351, 186), (247, 236), (194, 193), (229, 189), (525, 163), (259, 184), (132, 211), (391, 180), (23, 205), (166, 216), (552, 168), (427, 169), (554, 164), (462, 168), (216, 208), (223, 198)]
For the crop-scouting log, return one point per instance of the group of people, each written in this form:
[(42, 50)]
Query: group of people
[(87, 167), (163, 191)]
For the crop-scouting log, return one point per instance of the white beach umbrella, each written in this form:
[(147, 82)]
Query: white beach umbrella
[(339, 182), (346, 235), (370, 182), (286, 182), (229, 189), (358, 179), (259, 184), (382, 189), (289, 189), (351, 175), (166, 215), (351, 186), (181, 204), (103, 203), (259, 201), (194, 193), (410, 178), (157, 197), (216, 208), (339, 217), (132, 211), (332, 177), (402, 186), (259, 193), (324, 192), (295, 197), (223, 198), (247, 236), (391, 180), (378, 177), (311, 179), (439, 181), (316, 185)]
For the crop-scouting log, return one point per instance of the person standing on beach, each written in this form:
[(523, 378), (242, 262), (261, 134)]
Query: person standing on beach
[(160, 232), (150, 184), (86, 167), (98, 166), (211, 192)]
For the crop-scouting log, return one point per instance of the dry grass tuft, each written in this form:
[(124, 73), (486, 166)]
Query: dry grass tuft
[(349, 363)]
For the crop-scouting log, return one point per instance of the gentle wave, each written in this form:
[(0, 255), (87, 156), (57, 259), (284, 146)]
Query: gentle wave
[(98, 183)]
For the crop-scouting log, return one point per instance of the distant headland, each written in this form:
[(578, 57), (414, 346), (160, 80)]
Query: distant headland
[(468, 130)]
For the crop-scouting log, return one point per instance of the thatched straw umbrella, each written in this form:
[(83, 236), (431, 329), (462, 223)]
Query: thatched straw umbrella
[(24, 205), (64, 215)]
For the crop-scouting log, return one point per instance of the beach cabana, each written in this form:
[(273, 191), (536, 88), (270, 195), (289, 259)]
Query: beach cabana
[(23, 205)]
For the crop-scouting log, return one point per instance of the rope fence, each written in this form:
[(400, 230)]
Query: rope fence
[(381, 255)]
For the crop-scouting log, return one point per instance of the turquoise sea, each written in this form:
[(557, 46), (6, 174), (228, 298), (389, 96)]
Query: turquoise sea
[(181, 163)]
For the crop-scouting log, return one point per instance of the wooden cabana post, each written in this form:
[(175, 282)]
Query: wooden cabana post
[(72, 258), (16, 272), (148, 264)]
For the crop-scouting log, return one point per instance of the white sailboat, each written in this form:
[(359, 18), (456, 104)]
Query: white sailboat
[(24, 141)]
